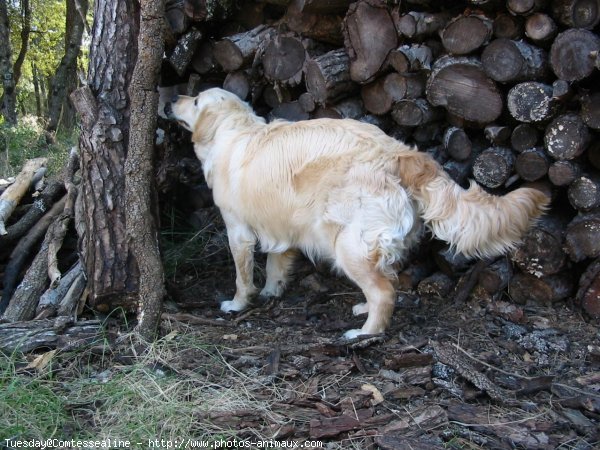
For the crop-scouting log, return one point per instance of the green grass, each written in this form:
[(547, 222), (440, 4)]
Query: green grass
[(27, 140), (85, 396), (31, 407)]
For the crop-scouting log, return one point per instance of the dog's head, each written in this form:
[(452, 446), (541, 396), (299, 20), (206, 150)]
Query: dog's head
[(187, 110)]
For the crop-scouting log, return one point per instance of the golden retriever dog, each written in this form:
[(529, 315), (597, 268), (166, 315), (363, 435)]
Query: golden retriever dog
[(339, 190)]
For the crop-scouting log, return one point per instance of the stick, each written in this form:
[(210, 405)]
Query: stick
[(12, 195)]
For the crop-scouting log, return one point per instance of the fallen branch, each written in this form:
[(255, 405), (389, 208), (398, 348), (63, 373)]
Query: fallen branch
[(49, 301), (34, 334), (40, 206), (12, 195), (450, 356), (23, 250), (59, 228)]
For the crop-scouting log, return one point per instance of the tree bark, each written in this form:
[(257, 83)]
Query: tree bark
[(140, 196), (59, 86), (104, 107), (8, 102)]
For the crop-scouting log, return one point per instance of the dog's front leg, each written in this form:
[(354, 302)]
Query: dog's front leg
[(241, 243), (278, 268)]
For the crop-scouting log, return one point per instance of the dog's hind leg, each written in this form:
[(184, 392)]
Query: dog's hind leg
[(241, 243), (377, 288), (278, 267)]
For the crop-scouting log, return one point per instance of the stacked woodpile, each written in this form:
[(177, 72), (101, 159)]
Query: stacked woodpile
[(502, 92)]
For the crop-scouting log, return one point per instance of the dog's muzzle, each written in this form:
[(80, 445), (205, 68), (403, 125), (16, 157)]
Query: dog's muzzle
[(168, 109)]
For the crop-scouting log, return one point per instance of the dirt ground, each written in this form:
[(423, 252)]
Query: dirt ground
[(491, 375)]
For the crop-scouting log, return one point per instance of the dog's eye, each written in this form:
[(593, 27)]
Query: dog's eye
[(196, 102)]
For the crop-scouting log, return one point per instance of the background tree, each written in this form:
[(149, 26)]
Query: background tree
[(65, 79), (9, 96)]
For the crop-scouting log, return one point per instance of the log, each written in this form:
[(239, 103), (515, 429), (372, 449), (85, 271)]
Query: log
[(181, 56), (411, 58), (590, 110), (581, 238), (457, 143), (238, 82), (311, 24), (379, 96), (367, 49), (584, 192), (540, 28), (204, 61), (283, 60), (577, 13), (208, 10), (178, 20), (588, 294), (416, 25), (531, 102), (573, 55), (455, 82), (40, 206), (412, 113), (524, 7), (50, 299), (410, 277), (546, 290), (237, 51), (27, 295), (323, 6), (58, 229), (307, 102), (541, 252), (493, 166), (532, 164), (459, 171), (436, 285), (274, 95), (497, 134), (328, 77), (291, 111), (496, 277), (49, 334), (566, 137), (563, 173), (350, 108), (69, 305), (20, 255), (561, 90), (508, 26), (451, 263), (507, 61), (11, 197), (524, 136), (466, 33)]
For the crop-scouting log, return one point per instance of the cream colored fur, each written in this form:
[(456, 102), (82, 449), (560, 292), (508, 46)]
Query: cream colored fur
[(339, 190)]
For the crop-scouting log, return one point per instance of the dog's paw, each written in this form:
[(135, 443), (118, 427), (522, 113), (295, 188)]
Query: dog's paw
[(353, 334), (272, 290), (231, 306), (361, 308)]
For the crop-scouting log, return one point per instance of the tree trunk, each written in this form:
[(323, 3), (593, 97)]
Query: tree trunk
[(104, 107), (25, 31), (8, 103), (140, 196), (68, 65)]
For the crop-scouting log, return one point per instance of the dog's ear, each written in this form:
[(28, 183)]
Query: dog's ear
[(205, 128)]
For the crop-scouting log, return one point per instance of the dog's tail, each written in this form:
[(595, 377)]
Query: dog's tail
[(472, 221)]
